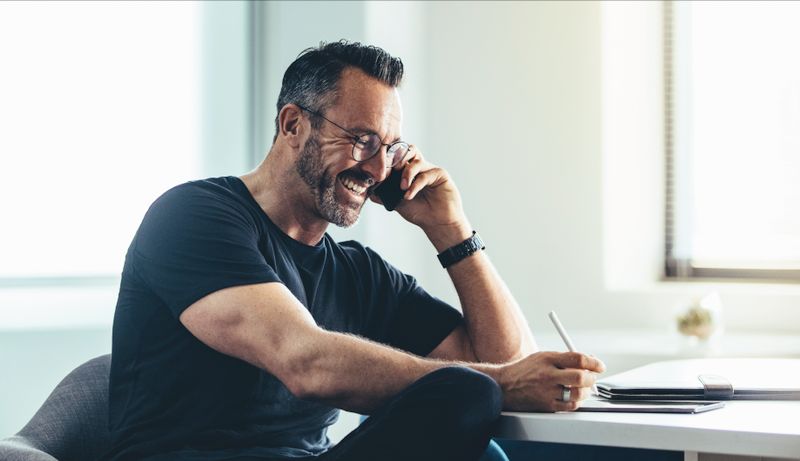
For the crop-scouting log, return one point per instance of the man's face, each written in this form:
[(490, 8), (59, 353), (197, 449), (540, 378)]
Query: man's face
[(340, 185)]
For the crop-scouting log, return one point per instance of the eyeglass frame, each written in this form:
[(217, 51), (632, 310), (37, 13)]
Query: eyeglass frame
[(356, 139)]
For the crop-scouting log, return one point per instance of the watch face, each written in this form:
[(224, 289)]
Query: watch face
[(474, 243), (458, 252)]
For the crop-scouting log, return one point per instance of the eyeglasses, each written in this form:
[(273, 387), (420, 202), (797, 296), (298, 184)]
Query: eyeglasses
[(368, 145)]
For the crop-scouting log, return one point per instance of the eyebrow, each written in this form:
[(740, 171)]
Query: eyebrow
[(363, 130)]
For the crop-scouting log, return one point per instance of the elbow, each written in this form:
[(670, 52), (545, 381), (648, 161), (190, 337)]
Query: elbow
[(302, 378), (309, 383), (299, 388), (513, 357), (524, 349), (302, 370)]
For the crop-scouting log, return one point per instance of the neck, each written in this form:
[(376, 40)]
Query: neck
[(273, 185)]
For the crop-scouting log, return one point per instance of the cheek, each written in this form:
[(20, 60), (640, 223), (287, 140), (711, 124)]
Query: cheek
[(333, 155), (336, 161)]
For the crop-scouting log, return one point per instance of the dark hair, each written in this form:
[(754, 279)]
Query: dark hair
[(312, 79)]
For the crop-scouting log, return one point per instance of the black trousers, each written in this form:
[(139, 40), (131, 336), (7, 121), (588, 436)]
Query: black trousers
[(446, 415)]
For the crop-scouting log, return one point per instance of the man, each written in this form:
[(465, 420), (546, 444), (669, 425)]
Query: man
[(241, 326)]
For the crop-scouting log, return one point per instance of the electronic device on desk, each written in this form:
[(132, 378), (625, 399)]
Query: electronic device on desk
[(639, 406), (706, 379)]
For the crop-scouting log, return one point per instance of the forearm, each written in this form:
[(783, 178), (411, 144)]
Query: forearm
[(494, 321), (356, 374), (497, 328)]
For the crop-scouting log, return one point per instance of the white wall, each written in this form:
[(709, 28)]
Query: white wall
[(569, 203), (516, 99)]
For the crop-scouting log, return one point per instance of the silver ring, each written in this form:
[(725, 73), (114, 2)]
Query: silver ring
[(566, 393)]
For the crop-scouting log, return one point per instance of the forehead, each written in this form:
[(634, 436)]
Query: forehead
[(366, 103)]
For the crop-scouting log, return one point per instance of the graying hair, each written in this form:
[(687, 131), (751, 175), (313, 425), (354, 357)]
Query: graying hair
[(311, 80)]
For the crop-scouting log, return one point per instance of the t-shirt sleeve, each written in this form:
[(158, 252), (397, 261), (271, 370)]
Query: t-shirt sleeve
[(416, 321), (193, 242), (421, 321)]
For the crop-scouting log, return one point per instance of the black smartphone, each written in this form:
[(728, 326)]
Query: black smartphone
[(389, 190)]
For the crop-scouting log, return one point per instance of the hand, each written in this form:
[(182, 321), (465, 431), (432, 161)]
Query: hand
[(535, 383), (431, 200)]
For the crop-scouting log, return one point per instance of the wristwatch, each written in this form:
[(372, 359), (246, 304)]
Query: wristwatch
[(460, 251)]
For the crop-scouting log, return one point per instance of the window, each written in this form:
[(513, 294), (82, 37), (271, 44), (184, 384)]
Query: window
[(733, 131), (99, 116)]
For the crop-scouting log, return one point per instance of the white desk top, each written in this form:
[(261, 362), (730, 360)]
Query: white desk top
[(751, 428)]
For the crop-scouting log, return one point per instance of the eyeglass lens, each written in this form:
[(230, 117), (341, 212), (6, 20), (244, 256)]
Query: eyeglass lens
[(369, 145)]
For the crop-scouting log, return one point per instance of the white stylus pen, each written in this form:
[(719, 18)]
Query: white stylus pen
[(563, 333)]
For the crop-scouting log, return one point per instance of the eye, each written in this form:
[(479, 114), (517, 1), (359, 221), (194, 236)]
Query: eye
[(369, 143)]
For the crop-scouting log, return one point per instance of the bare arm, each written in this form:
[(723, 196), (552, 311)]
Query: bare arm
[(495, 329), (265, 325)]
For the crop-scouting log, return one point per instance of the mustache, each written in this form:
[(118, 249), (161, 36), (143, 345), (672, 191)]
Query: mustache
[(360, 177)]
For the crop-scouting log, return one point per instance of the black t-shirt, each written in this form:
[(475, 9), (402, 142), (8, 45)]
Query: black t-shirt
[(171, 393)]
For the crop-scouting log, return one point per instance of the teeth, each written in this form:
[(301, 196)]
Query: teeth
[(350, 184)]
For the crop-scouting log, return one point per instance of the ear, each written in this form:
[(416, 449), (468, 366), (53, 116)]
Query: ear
[(290, 124)]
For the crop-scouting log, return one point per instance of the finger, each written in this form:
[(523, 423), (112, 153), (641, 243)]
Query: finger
[(407, 158), (578, 394), (600, 364), (412, 167), (376, 199), (403, 163), (421, 181), (579, 360), (575, 394), (413, 155), (560, 405), (575, 377)]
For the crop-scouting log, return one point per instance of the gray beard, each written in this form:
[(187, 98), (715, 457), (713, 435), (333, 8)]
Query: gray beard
[(310, 169)]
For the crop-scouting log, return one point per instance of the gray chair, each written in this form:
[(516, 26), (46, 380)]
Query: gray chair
[(72, 424)]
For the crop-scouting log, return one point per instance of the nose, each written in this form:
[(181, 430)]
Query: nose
[(378, 166)]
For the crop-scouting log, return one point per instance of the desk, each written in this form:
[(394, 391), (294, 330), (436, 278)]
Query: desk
[(749, 429)]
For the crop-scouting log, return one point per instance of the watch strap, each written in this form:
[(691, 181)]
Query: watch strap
[(460, 251)]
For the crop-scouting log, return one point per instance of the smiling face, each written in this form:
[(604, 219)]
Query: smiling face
[(340, 185)]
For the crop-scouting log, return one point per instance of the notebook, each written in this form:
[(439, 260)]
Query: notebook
[(652, 406), (707, 379)]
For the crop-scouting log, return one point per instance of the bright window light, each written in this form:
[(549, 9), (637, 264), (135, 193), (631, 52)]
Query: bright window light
[(99, 114), (737, 127)]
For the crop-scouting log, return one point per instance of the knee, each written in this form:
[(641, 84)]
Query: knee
[(474, 395)]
